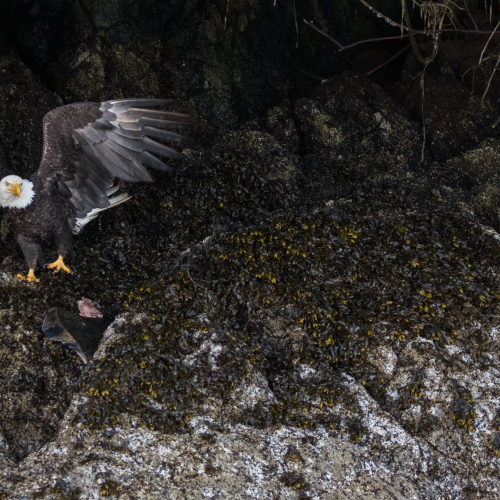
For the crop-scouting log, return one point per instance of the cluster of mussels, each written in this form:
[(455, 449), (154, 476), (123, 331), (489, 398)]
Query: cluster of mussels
[(353, 278), (382, 264)]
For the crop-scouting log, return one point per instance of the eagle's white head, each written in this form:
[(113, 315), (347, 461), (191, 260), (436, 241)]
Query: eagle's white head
[(15, 192)]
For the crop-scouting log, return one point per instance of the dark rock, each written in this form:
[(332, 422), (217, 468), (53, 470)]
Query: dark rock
[(23, 103), (36, 383), (353, 131), (301, 301), (455, 119)]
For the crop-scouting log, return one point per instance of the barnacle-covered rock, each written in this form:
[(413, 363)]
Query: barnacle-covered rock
[(36, 378), (476, 172), (353, 131), (476, 167), (6, 459), (455, 118), (275, 326)]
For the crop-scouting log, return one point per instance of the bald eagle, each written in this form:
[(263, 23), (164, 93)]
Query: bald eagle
[(86, 147)]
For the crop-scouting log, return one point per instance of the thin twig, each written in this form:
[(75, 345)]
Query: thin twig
[(444, 14), (402, 14), (310, 75), (473, 68), (225, 18), (388, 19), (470, 15), (389, 60), (413, 32), (419, 32), (456, 30), (296, 25), (491, 78), (194, 282), (338, 44), (423, 112), (456, 22), (486, 45), (414, 44)]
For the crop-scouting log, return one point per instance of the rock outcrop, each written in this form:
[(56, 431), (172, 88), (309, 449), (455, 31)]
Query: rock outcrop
[(306, 307)]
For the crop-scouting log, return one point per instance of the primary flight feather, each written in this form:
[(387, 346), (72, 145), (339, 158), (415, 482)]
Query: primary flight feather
[(86, 146)]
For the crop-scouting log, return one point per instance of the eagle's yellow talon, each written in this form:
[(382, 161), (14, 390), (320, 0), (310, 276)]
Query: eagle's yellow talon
[(31, 276), (58, 264)]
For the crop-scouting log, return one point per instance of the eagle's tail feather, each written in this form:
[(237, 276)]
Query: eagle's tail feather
[(112, 202)]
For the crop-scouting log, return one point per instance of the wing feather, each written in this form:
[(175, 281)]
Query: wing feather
[(88, 145), (126, 168), (151, 132)]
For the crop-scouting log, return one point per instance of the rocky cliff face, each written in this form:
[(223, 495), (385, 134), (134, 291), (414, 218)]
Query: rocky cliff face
[(307, 307)]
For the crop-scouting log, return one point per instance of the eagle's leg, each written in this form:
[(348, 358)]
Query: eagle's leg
[(31, 276), (59, 264), (64, 242), (32, 253)]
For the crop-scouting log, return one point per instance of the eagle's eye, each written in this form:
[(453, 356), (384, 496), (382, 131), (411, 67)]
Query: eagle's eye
[(7, 183)]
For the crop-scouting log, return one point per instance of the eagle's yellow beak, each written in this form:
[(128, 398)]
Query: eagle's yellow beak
[(16, 189)]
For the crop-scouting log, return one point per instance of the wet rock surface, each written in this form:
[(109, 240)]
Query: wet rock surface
[(455, 118), (353, 131), (412, 437), (302, 309)]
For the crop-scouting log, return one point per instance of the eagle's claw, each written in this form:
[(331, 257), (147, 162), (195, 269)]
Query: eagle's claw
[(31, 276), (58, 264)]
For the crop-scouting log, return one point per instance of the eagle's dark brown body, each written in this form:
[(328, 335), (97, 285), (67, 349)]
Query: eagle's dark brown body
[(86, 147), (47, 217)]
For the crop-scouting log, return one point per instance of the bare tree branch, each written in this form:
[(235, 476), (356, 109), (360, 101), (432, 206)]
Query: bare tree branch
[(344, 47), (486, 45), (416, 50), (389, 20), (423, 113), (388, 60), (410, 31), (470, 15), (338, 44), (491, 78), (428, 33), (225, 18), (310, 75)]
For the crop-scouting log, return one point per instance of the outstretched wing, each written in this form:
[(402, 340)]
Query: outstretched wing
[(87, 145)]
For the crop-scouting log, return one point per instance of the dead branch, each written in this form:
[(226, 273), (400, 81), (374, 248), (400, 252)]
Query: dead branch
[(388, 60), (470, 15), (225, 18), (413, 42), (344, 47), (389, 20), (310, 75), (486, 45), (413, 32), (423, 112), (491, 78)]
